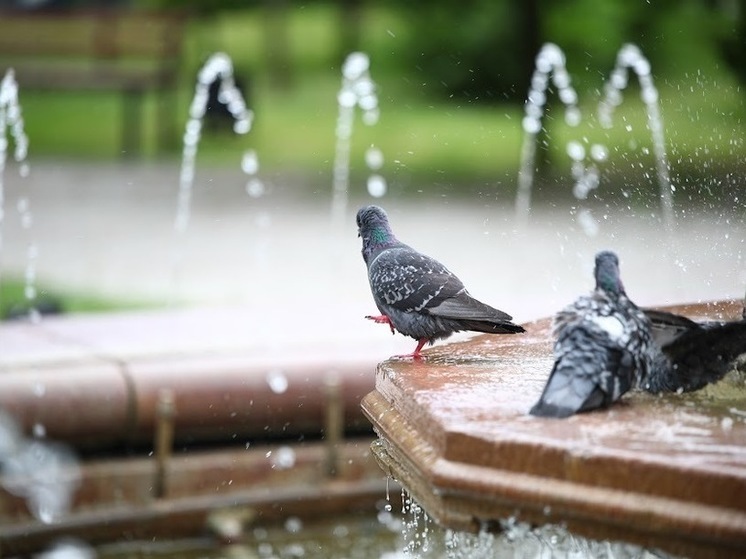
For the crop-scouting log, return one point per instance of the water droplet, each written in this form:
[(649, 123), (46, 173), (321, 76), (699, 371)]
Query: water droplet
[(374, 158), (39, 431), (587, 222), (572, 116), (371, 117), (293, 524), (376, 186), (356, 64), (531, 125), (283, 458), (277, 381), (599, 153), (255, 188), (346, 98), (649, 95), (250, 162), (242, 126), (576, 151)]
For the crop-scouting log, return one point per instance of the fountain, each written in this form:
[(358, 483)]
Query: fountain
[(235, 380), (630, 57), (217, 67), (12, 119), (551, 60), (358, 90), (661, 472)]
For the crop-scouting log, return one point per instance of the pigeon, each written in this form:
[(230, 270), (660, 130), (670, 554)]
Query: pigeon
[(692, 354), (417, 295), (603, 348)]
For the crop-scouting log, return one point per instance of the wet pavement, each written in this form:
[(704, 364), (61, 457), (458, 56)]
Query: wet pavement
[(107, 229)]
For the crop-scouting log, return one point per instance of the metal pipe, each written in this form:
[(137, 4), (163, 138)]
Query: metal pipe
[(164, 441), (333, 424)]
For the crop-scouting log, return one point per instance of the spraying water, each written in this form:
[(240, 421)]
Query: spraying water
[(585, 162), (358, 90), (12, 119), (217, 67), (423, 538), (630, 56), (549, 61), (45, 474)]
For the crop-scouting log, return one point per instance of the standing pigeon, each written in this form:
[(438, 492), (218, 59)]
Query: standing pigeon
[(603, 347), (416, 294), (692, 354)]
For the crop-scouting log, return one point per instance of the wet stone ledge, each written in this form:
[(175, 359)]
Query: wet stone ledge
[(666, 472)]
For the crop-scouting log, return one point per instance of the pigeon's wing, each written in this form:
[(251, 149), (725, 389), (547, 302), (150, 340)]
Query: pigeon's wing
[(667, 326), (409, 281), (463, 306), (699, 356), (589, 372)]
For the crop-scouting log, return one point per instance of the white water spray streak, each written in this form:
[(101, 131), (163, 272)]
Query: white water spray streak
[(11, 119), (358, 90), (549, 61), (630, 56), (217, 67)]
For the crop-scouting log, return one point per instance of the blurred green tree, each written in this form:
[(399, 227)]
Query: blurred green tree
[(484, 49), (476, 49)]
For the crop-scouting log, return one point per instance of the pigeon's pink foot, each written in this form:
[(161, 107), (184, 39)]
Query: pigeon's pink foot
[(382, 319), (416, 354)]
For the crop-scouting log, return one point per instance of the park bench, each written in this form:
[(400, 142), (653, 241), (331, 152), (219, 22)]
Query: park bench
[(132, 52)]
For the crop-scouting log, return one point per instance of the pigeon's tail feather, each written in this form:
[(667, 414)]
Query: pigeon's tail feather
[(464, 306), (543, 409), (586, 376), (698, 357), (490, 327), (568, 393)]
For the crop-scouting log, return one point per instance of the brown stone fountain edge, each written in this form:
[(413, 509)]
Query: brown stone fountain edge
[(663, 472), (237, 401)]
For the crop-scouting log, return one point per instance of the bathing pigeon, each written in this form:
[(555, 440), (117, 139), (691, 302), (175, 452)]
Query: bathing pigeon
[(692, 354), (603, 347), (416, 294)]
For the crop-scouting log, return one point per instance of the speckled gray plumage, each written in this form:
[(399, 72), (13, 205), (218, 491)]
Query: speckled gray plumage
[(420, 297), (603, 347)]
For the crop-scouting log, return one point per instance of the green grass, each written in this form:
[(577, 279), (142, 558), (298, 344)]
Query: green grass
[(13, 300)]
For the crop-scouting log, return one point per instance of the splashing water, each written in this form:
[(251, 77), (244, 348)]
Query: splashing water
[(630, 56), (423, 538), (45, 474), (12, 119), (550, 60), (358, 90), (585, 162), (217, 67)]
